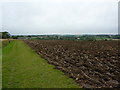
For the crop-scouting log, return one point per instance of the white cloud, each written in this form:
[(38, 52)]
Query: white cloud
[(60, 16), (59, 1)]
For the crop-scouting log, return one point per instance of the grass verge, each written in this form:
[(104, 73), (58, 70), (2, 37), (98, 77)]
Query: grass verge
[(23, 68)]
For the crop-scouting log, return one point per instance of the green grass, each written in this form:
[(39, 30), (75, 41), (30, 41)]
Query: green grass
[(23, 68), (0, 67)]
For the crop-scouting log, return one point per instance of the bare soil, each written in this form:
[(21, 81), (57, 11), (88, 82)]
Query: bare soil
[(92, 64)]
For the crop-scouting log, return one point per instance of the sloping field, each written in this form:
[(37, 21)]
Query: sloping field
[(23, 68), (92, 64), (0, 67)]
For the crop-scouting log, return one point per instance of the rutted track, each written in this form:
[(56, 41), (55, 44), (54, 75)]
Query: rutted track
[(91, 63)]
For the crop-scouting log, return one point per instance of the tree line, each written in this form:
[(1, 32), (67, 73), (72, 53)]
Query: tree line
[(6, 35)]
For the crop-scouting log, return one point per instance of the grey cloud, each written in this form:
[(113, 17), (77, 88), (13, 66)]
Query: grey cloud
[(62, 18)]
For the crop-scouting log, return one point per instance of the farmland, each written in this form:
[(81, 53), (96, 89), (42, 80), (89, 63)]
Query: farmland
[(91, 64), (0, 64), (23, 68)]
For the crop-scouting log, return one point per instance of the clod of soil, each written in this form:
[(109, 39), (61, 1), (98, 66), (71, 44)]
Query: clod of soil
[(92, 64)]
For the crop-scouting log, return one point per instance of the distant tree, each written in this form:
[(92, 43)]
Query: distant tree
[(15, 37), (5, 35), (0, 35), (106, 39), (29, 36)]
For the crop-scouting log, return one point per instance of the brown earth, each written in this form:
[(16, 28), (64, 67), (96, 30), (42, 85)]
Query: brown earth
[(92, 64)]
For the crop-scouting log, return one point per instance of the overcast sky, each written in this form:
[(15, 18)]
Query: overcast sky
[(59, 17)]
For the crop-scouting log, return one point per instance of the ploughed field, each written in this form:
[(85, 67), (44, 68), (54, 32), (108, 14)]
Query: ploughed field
[(91, 64)]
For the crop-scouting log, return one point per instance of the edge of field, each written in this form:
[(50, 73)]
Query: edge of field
[(0, 68), (24, 68)]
